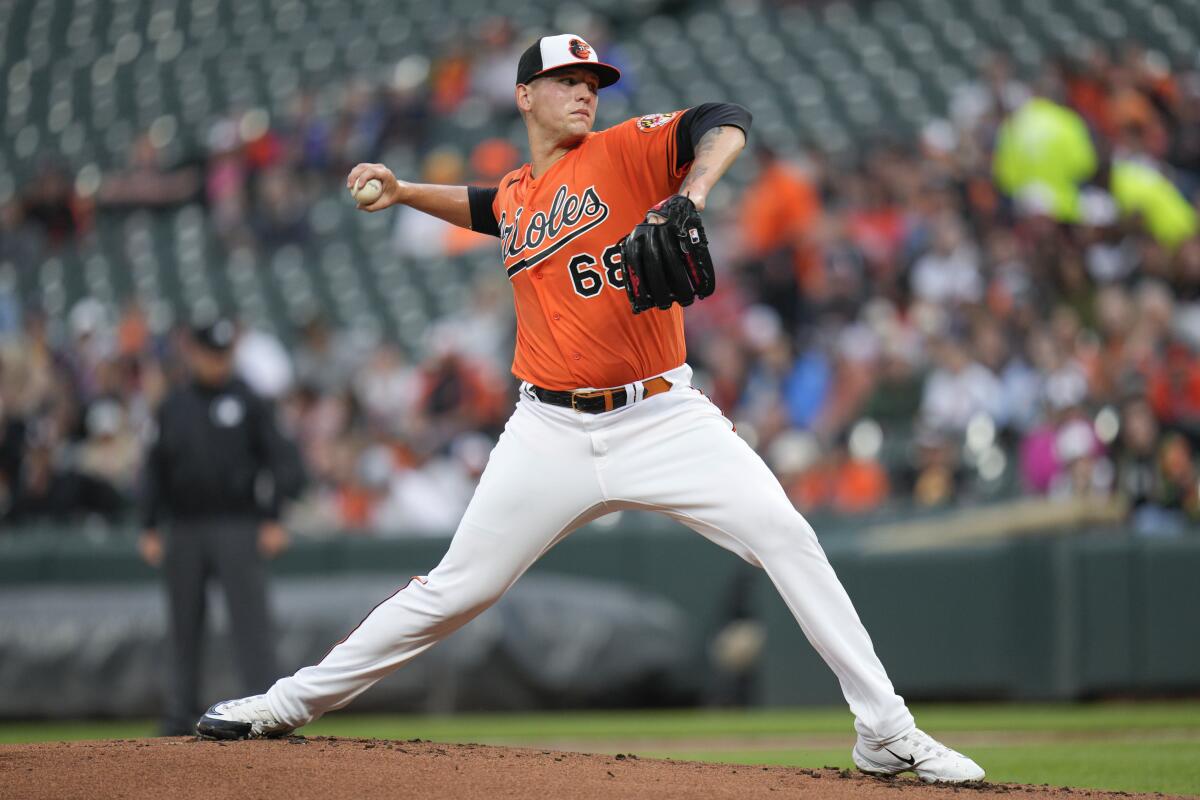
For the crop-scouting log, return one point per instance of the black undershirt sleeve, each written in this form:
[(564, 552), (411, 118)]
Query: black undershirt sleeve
[(700, 120), (483, 219)]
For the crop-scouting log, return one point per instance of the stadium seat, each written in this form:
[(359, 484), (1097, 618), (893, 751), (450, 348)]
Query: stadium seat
[(828, 76)]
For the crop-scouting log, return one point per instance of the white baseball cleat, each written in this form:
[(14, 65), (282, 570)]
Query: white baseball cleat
[(918, 752), (244, 718)]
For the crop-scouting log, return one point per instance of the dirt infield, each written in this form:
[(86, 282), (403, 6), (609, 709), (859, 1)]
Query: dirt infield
[(324, 768)]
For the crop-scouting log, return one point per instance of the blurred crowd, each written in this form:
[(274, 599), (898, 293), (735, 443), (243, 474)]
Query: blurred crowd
[(1008, 304), (258, 176), (388, 445), (919, 324)]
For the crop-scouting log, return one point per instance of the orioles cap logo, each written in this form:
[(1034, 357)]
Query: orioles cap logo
[(580, 49)]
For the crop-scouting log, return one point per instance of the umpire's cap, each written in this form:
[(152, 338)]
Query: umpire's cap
[(565, 50), (217, 335)]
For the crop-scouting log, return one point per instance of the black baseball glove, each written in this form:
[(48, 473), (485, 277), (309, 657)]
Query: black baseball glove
[(667, 262)]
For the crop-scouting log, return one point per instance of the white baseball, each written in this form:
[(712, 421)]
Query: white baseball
[(367, 193)]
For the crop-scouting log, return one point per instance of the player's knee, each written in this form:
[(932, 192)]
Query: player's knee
[(477, 601), (459, 603), (775, 533)]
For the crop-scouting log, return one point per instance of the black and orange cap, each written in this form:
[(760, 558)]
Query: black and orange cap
[(564, 50)]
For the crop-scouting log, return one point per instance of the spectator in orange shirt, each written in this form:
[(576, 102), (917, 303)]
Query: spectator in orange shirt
[(779, 213), (861, 484), (1086, 87), (133, 331), (780, 208), (1175, 387), (451, 81), (1137, 127), (842, 480)]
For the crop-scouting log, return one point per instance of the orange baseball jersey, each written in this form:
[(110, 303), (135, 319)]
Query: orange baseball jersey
[(558, 235)]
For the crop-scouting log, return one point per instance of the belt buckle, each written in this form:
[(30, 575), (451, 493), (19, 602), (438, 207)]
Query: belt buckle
[(585, 396)]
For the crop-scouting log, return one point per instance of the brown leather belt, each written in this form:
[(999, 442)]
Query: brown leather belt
[(600, 400)]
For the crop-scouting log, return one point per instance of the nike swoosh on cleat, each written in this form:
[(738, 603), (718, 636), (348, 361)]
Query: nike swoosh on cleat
[(910, 760)]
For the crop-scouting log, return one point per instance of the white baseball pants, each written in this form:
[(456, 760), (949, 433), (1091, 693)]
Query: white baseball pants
[(554, 470)]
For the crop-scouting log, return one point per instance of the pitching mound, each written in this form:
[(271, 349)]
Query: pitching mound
[(324, 768)]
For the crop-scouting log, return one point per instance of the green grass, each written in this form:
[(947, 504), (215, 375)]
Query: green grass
[(1117, 746), (18, 732), (1172, 767)]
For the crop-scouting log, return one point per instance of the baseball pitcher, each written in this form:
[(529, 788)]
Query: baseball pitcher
[(601, 238)]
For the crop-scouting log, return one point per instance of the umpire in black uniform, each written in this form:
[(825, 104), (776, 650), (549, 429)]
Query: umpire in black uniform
[(215, 476)]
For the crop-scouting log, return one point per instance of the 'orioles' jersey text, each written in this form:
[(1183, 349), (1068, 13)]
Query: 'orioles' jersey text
[(558, 234)]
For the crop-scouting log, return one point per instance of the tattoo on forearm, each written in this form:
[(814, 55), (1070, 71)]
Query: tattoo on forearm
[(706, 145), (694, 175), (709, 141)]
